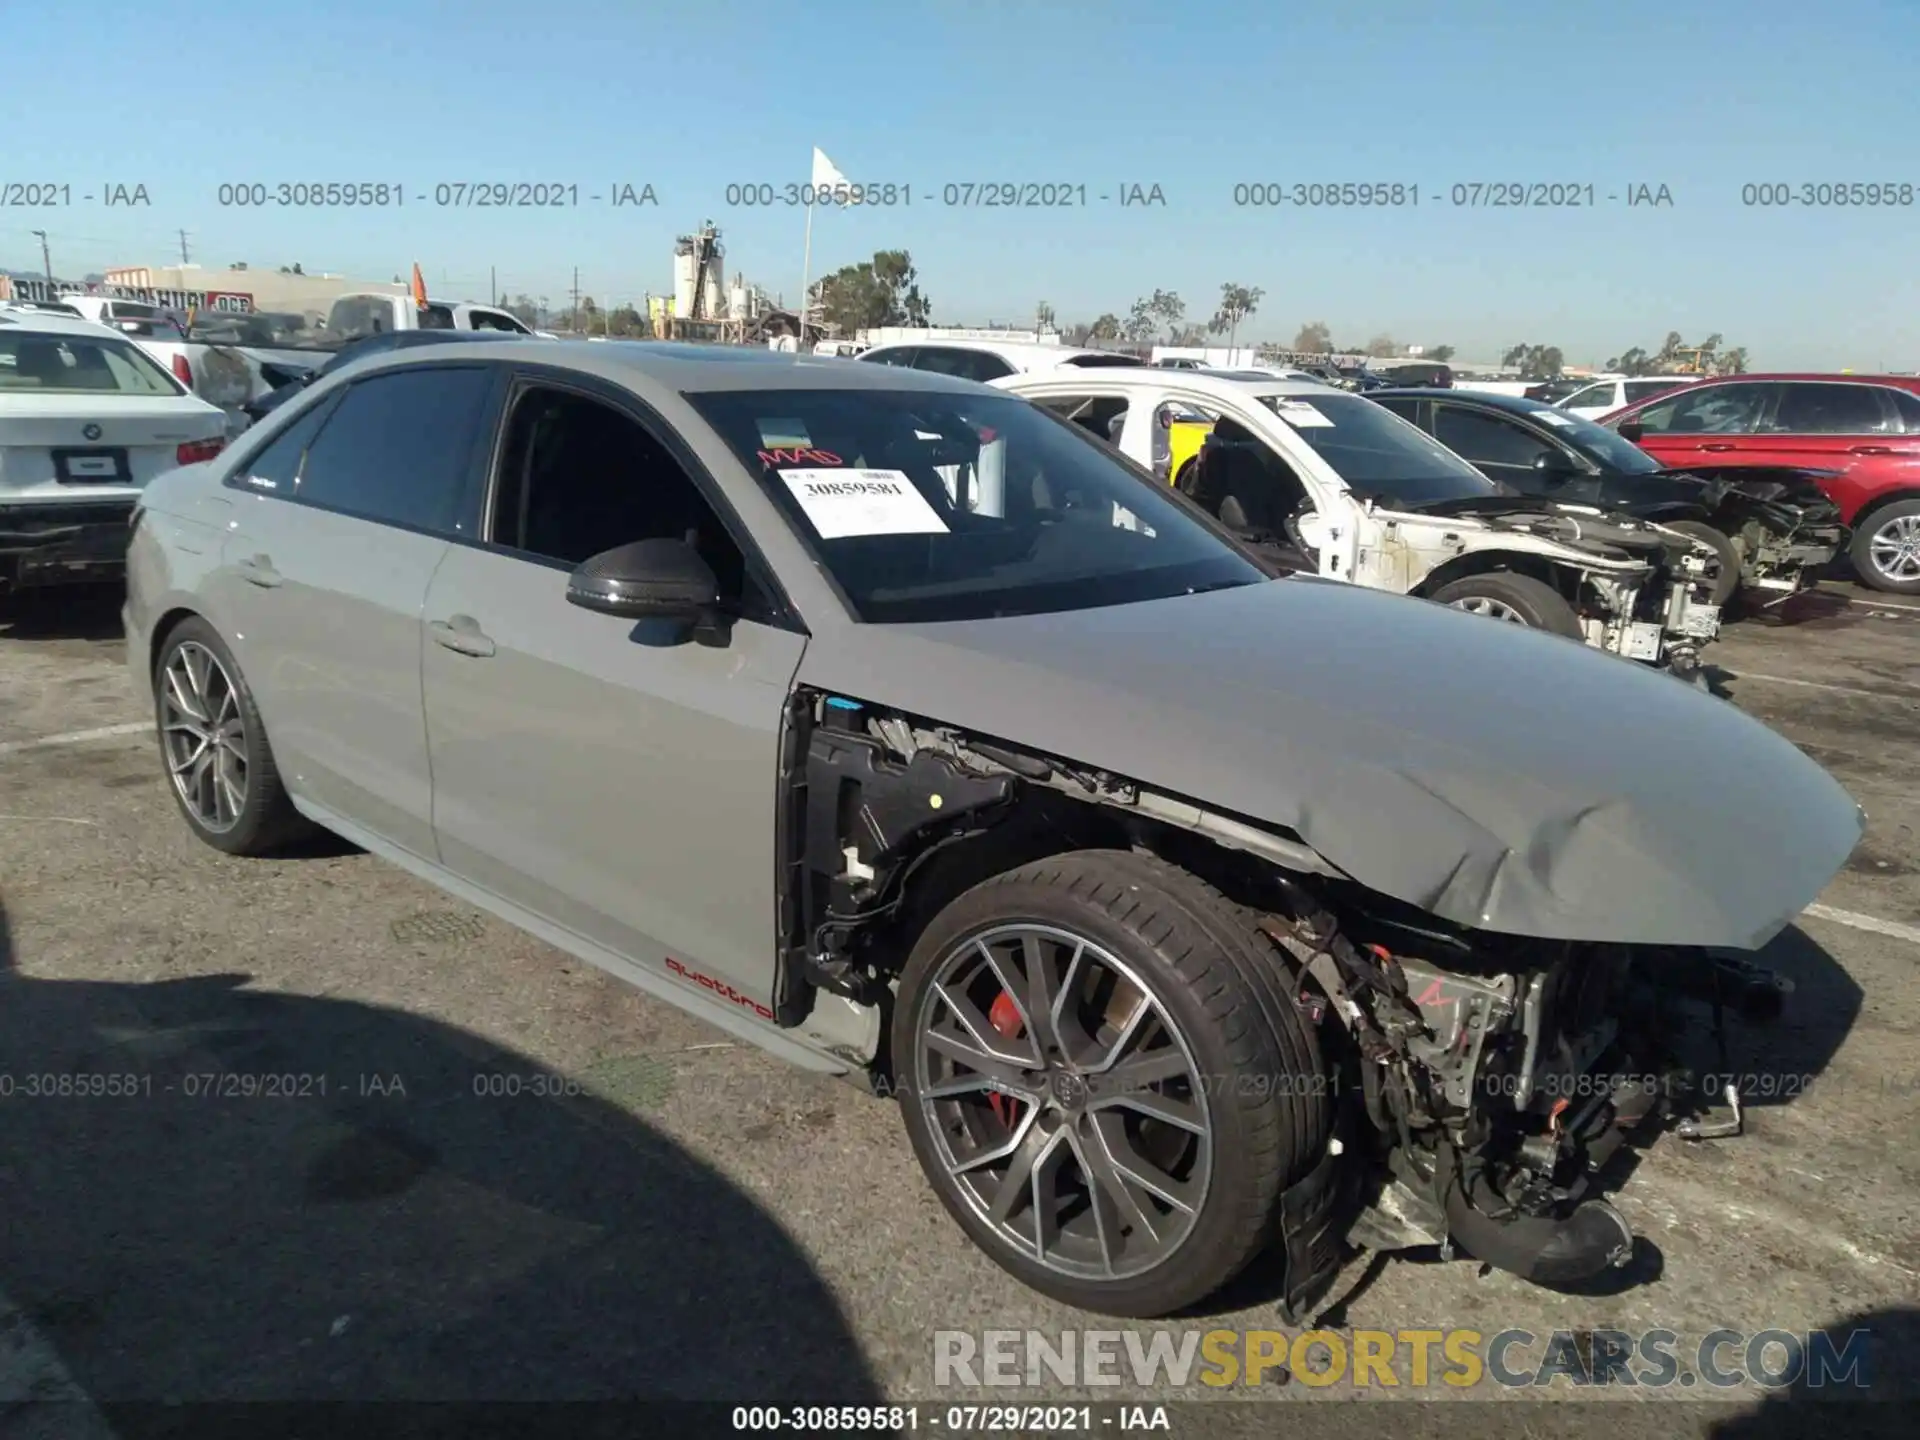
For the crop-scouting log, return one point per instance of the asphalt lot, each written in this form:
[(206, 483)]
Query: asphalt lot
[(697, 1220)]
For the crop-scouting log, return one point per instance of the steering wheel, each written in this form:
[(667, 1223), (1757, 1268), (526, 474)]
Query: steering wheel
[(1292, 526)]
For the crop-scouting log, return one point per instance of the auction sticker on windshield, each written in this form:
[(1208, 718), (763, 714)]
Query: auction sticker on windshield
[(840, 503), (1555, 418), (1300, 413)]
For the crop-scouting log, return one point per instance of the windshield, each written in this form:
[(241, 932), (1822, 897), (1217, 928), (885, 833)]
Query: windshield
[(1379, 455), (1598, 443), (931, 506)]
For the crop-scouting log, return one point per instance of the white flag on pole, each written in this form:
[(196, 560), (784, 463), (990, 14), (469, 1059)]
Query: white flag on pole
[(827, 176)]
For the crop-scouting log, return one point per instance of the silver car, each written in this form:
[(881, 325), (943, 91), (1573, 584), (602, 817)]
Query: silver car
[(907, 731)]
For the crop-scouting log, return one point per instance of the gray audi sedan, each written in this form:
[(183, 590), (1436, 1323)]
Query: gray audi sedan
[(908, 731)]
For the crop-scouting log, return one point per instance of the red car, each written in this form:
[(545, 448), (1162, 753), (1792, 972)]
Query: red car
[(1864, 430)]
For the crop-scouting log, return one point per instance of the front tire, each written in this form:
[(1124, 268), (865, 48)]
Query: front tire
[(1105, 1079), (214, 746), (1517, 599), (1886, 548)]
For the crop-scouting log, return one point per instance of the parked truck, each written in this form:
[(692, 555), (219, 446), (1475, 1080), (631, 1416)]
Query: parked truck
[(356, 316)]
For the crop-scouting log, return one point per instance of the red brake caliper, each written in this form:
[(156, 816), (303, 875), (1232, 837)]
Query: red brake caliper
[(1004, 1016)]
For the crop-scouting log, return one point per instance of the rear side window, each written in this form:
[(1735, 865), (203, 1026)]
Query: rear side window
[(1638, 390), (397, 446), (1908, 406), (962, 364), (274, 469), (1593, 395), (1828, 409), (496, 320), (1096, 362), (893, 355)]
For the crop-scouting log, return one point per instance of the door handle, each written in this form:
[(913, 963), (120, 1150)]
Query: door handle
[(1716, 448), (462, 635), (1871, 450), (258, 570)]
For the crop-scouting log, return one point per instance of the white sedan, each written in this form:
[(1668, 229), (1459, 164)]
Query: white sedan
[(86, 420)]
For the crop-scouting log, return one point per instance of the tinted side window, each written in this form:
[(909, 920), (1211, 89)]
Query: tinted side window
[(1826, 409), (1406, 408), (943, 361), (397, 446), (273, 469), (1601, 394), (1708, 410), (984, 367), (893, 355), (496, 320), (1486, 440)]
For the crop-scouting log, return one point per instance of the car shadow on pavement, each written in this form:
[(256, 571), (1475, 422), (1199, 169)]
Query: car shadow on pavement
[(1818, 1404), (218, 1193), (63, 612)]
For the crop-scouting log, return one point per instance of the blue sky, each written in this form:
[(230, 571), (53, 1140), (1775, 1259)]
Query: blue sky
[(1195, 97)]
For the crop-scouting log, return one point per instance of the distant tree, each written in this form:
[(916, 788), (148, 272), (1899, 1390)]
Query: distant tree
[(1315, 338), (1382, 346), (522, 308), (1163, 307), (1140, 323), (1440, 354), (1237, 302), (1043, 317), (1106, 328), (883, 291)]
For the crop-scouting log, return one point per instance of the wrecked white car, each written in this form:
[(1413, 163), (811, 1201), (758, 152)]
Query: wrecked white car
[(1333, 485)]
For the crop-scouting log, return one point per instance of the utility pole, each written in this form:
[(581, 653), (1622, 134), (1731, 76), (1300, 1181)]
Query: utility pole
[(493, 287), (183, 247), (576, 297), (46, 261)]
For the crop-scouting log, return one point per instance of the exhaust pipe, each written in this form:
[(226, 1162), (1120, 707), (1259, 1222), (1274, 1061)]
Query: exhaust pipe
[(1539, 1248)]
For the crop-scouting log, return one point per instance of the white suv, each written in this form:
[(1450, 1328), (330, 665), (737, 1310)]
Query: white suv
[(987, 360), (1603, 397)]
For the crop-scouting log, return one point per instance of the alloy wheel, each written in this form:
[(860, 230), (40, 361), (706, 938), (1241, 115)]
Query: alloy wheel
[(1064, 1103), (1894, 549), (204, 737), (1491, 608)]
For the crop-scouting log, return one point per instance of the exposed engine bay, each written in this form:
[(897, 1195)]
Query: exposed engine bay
[(1480, 1081)]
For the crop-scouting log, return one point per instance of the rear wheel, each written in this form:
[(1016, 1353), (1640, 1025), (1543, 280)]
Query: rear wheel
[(1516, 599), (1725, 577), (1886, 548), (214, 746), (1105, 1080)]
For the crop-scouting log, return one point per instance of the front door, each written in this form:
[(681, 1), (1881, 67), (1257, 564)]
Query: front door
[(615, 780)]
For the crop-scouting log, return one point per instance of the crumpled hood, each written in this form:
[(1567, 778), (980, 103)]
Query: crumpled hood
[(1495, 776)]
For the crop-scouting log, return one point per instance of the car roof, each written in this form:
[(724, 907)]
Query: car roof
[(1023, 349), (53, 323), (1484, 399), (680, 367), (1904, 382), (1200, 382)]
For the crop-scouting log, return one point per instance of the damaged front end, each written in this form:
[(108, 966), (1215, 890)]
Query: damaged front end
[(1482, 1081), (1785, 528), (1641, 591), (1496, 1077)]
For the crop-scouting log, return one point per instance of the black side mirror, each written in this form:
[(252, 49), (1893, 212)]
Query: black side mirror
[(1630, 430), (647, 580), (1552, 465)]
